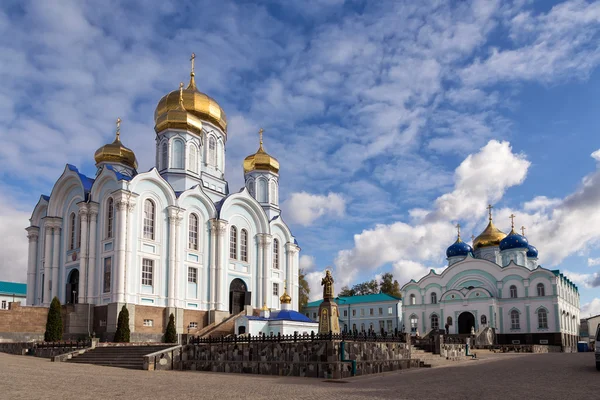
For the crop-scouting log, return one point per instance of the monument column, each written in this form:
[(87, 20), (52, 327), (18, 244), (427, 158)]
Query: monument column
[(55, 257), (328, 310), (93, 213), (32, 234), (83, 273), (47, 263)]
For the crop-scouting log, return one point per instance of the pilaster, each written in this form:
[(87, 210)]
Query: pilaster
[(83, 268), (32, 261), (175, 216), (56, 225), (265, 241), (93, 217)]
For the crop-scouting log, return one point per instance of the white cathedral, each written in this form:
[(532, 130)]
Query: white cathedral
[(498, 284), (173, 238)]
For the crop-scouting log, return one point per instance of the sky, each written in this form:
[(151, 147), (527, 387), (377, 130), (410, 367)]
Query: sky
[(392, 120)]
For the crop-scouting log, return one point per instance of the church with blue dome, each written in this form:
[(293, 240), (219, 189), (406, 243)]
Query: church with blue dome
[(495, 289)]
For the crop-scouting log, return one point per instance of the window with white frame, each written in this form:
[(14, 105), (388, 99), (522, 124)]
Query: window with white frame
[(275, 289), (233, 242), (276, 253), (371, 326), (414, 321), (380, 310), (514, 320), (107, 274), (513, 292), (178, 154), (147, 272), (165, 156), (79, 234), (353, 327), (371, 312), (212, 150), (148, 322), (244, 245), (4, 305), (413, 299), (541, 290), (149, 219), (110, 217), (362, 327), (542, 319), (389, 325), (193, 232), (193, 163), (435, 322), (192, 275), (354, 313), (390, 311), (362, 312), (381, 325), (434, 298), (193, 325), (345, 313), (72, 231)]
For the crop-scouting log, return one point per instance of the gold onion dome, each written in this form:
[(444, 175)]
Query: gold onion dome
[(261, 160), (115, 152), (195, 103), (285, 298), (491, 236)]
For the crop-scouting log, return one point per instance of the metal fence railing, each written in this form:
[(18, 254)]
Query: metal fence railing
[(351, 337)]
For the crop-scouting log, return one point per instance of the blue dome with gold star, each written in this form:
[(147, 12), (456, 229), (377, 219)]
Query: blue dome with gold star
[(514, 241), (532, 252), (459, 248)]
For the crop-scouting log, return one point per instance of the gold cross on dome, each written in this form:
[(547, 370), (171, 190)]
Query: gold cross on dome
[(489, 207), (523, 230), (192, 58), (512, 220), (472, 238), (458, 229), (181, 94), (118, 128), (260, 134)]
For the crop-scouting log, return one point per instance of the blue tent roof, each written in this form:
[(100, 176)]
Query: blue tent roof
[(366, 298), (283, 315), (11, 288)]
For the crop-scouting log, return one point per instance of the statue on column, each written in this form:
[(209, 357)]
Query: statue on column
[(328, 310)]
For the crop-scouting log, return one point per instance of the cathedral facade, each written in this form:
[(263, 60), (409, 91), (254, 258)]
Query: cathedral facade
[(173, 239), (496, 283)]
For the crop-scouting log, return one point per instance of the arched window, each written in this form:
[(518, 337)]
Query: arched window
[(233, 242), (413, 300), (250, 185), (79, 234), (513, 292), (449, 320), (362, 327), (212, 151), (541, 290), (272, 189), (165, 156), (434, 298), (276, 253), (435, 322), (149, 219), (514, 320), (178, 154), (261, 191), (193, 232), (244, 245), (193, 162), (542, 318), (414, 321), (110, 217), (72, 231)]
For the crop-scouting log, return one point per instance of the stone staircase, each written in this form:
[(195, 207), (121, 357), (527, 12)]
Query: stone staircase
[(225, 328), (429, 360), (131, 357)]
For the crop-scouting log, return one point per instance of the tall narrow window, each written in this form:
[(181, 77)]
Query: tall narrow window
[(413, 300), (261, 187), (435, 322), (193, 232), (193, 162), (276, 253), (433, 298), (514, 320), (192, 275), (212, 151), (541, 290), (107, 274), (542, 319), (73, 231), (275, 289), (79, 234), (147, 272), (513, 292), (110, 218), (244, 245), (149, 216), (414, 321), (233, 243), (165, 156), (178, 154)]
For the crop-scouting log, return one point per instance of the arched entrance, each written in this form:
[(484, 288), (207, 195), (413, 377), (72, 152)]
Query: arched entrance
[(72, 289), (239, 296), (466, 321)]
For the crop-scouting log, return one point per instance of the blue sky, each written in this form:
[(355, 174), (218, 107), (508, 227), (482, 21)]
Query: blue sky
[(392, 121)]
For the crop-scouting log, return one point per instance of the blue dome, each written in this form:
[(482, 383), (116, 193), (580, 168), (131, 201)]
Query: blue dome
[(514, 241), (459, 248), (532, 252)]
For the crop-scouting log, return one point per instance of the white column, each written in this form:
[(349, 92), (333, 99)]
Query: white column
[(267, 265), (213, 266), (83, 268), (55, 258), (90, 293), (119, 293), (222, 257), (32, 234), (174, 220), (47, 263), (260, 269), (292, 273)]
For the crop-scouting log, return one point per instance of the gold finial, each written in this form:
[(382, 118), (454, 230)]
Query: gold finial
[(265, 308), (472, 237), (119, 129), (260, 135), (181, 94), (512, 221), (523, 230), (192, 84), (192, 58), (489, 207), (458, 229)]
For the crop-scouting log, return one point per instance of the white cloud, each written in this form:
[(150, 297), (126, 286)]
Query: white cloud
[(304, 208), (590, 309), (596, 155), (593, 262), (307, 262), (13, 263), (585, 280)]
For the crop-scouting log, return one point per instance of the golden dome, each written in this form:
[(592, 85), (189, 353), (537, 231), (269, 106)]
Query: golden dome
[(285, 298), (115, 152), (195, 102), (491, 236), (261, 160)]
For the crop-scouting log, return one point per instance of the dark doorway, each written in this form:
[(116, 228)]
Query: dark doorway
[(239, 296), (72, 291), (466, 321)]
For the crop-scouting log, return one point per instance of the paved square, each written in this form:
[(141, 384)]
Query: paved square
[(506, 376)]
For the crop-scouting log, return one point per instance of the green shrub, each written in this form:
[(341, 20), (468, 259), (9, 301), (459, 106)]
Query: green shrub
[(122, 335), (54, 326), (171, 333)]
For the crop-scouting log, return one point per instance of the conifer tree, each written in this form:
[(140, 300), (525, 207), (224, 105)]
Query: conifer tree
[(171, 333), (54, 327), (122, 335)]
